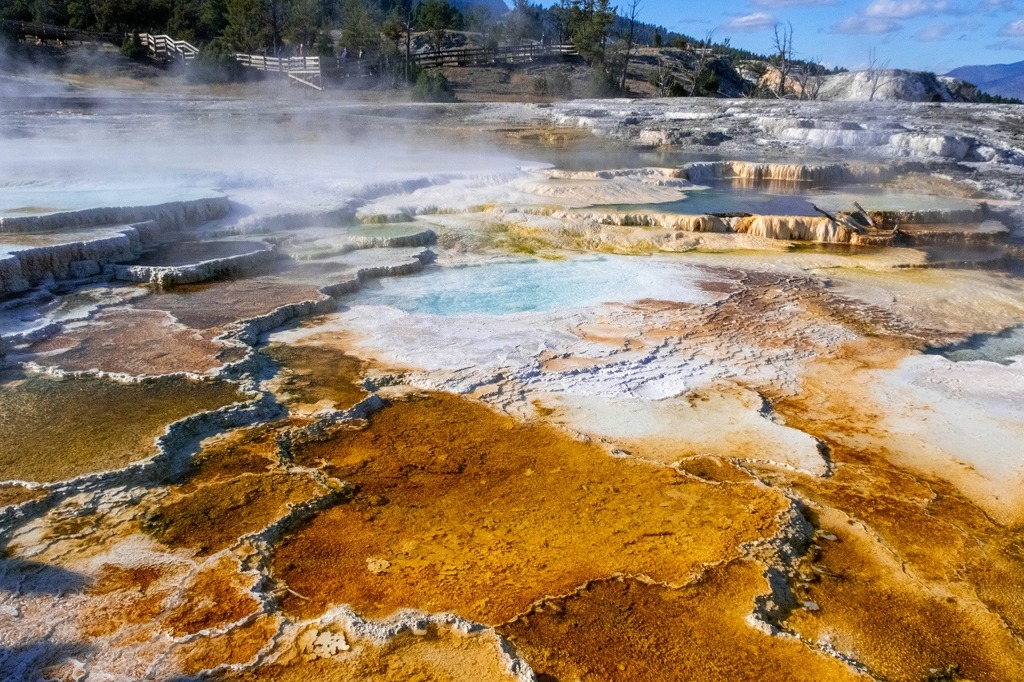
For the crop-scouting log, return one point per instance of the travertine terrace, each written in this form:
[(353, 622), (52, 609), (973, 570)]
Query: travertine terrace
[(701, 390)]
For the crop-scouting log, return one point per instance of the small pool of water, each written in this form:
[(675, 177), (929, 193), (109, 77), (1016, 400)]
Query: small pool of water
[(733, 200), (769, 199), (37, 200), (506, 288), (1001, 347), (385, 230), (189, 252)]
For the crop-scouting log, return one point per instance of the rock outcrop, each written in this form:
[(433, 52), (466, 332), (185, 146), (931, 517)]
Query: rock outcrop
[(890, 85)]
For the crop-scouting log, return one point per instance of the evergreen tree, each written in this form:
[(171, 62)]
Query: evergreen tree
[(246, 30), (588, 23), (361, 26)]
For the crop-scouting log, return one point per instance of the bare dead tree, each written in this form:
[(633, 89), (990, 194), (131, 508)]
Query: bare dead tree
[(662, 78), (782, 42), (809, 77), (875, 72), (632, 12), (704, 53)]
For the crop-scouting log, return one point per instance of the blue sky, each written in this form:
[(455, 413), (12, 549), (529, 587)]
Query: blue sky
[(933, 35)]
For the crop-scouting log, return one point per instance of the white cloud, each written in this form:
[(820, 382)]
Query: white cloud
[(1016, 44), (858, 25), (904, 9), (758, 21), (934, 32), (775, 4), (1013, 29)]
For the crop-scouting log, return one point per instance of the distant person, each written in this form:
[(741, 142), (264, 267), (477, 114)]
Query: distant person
[(344, 53), (302, 54)]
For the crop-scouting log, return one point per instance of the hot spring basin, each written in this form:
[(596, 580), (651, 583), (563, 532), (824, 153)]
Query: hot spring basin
[(175, 254), (510, 287), (31, 201), (757, 201)]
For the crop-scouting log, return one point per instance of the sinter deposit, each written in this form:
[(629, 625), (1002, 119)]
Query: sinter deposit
[(401, 400)]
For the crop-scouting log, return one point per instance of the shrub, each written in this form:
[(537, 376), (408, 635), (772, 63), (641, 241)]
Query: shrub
[(559, 84), (707, 84), (133, 47), (215, 64), (602, 83), (432, 88)]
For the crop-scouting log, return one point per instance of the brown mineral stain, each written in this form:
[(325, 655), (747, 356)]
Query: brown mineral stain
[(13, 494), (237, 486), (210, 517), (713, 469), (135, 342), (436, 655), (624, 629), (461, 509), (216, 596), (872, 608), (315, 373), (126, 596), (54, 429), (920, 578), (215, 304), (237, 646), (252, 450)]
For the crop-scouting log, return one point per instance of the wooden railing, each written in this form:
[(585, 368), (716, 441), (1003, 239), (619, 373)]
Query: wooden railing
[(280, 64), (468, 56), (46, 32), (168, 49)]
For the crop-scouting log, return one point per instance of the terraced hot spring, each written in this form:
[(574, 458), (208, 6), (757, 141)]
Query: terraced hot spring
[(42, 200), (798, 199), (13, 242), (53, 429), (385, 230), (189, 252)]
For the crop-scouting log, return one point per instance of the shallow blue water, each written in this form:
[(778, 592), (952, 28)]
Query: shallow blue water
[(753, 201), (992, 347), (525, 286), (759, 200), (19, 201)]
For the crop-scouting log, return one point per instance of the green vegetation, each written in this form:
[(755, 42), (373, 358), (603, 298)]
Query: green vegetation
[(215, 64), (986, 98), (432, 87), (133, 47), (383, 34)]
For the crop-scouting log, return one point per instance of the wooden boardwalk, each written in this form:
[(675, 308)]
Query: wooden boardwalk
[(474, 56), (167, 49), (306, 71), (58, 34)]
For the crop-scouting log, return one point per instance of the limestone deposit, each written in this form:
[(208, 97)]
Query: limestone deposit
[(384, 410)]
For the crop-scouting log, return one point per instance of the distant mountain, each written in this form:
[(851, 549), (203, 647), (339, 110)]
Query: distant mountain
[(996, 79)]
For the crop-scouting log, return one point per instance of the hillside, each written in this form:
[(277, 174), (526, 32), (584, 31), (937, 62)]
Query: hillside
[(1006, 80)]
